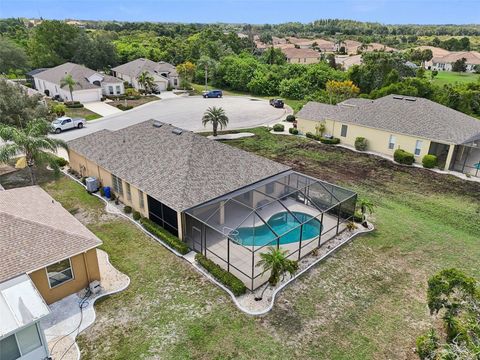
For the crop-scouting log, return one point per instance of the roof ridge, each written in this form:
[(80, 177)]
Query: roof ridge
[(50, 226)]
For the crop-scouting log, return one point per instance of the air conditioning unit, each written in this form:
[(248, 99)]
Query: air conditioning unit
[(92, 184), (95, 287)]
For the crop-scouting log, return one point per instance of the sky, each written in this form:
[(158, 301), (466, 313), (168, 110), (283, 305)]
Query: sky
[(250, 11)]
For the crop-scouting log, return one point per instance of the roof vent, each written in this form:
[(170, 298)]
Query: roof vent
[(177, 131), (410, 99), (157, 123), (398, 97)]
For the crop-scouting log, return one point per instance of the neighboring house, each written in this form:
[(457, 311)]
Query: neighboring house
[(417, 125), (445, 63), (164, 74), (316, 44), (91, 85), (46, 254), (353, 47), (436, 53), (301, 56), (347, 61), (169, 175)]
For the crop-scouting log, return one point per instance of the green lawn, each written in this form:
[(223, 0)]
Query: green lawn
[(367, 301), (82, 112), (296, 105), (449, 77)]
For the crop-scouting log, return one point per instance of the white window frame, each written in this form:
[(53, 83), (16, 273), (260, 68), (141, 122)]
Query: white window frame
[(118, 89), (392, 141), (141, 199), (128, 191), (17, 342), (64, 282), (346, 130), (110, 90), (418, 147)]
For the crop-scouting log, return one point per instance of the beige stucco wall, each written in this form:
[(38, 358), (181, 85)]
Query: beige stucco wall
[(377, 140), (308, 60), (85, 270), (88, 168)]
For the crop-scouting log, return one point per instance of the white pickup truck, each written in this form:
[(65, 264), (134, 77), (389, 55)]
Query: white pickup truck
[(65, 123)]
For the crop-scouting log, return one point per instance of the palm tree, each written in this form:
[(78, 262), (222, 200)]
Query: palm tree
[(275, 260), (33, 143), (146, 81), (216, 116), (365, 206), (69, 81)]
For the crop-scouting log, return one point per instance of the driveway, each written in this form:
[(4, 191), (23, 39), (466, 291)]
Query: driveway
[(102, 108), (186, 113)]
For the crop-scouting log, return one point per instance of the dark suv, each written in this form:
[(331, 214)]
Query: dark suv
[(213, 94), (278, 103)]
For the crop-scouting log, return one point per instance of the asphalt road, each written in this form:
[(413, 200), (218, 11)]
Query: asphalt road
[(186, 113)]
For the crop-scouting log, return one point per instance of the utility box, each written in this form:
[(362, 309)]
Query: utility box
[(95, 287), (92, 184)]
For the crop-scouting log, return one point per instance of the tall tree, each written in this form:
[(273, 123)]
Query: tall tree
[(460, 65), (95, 52), (186, 71), (12, 57), (208, 66), (33, 143), (341, 90), (17, 107), (52, 43), (70, 82), (216, 116)]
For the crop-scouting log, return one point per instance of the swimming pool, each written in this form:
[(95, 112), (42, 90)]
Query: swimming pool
[(281, 223)]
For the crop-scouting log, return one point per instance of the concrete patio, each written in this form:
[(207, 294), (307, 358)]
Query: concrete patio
[(68, 320)]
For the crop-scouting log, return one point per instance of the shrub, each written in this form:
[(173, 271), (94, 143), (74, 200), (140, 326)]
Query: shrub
[(332, 141), (312, 136), (403, 157), (290, 118), (127, 209), (132, 92), (61, 162), (84, 180), (351, 226), (293, 131), (226, 278), (163, 234), (102, 191), (112, 196), (278, 127), (124, 107), (361, 143), (59, 109), (357, 217), (427, 345), (429, 161), (73, 104), (136, 216)]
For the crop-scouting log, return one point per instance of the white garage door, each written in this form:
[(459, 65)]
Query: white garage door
[(161, 85), (87, 95)]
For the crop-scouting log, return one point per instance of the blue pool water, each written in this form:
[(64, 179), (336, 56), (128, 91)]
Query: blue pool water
[(281, 223)]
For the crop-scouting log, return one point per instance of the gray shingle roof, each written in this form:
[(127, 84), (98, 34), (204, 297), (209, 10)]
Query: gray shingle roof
[(135, 67), (400, 114), (181, 171), (79, 73), (36, 231)]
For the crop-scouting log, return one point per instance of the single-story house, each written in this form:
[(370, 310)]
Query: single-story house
[(301, 56), (445, 63), (417, 125), (46, 255), (91, 85), (164, 74), (212, 195), (347, 61), (436, 53)]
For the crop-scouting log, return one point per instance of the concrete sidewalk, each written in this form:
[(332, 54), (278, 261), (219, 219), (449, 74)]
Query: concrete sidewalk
[(102, 108)]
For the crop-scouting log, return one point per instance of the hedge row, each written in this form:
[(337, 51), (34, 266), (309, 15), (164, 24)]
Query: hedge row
[(163, 234), (73, 104), (293, 131), (278, 127), (403, 157), (226, 278), (332, 141)]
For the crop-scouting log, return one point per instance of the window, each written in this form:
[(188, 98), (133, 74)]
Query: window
[(9, 348), (28, 339), (343, 132), (129, 193), (110, 90), (141, 199), (391, 142), (59, 273), (117, 88), (418, 147), (117, 185), (20, 344), (175, 82)]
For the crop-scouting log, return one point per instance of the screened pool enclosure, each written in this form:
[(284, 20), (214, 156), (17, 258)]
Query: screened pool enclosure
[(292, 211)]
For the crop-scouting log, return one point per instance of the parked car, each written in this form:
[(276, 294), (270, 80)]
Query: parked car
[(213, 94), (278, 103), (66, 123)]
